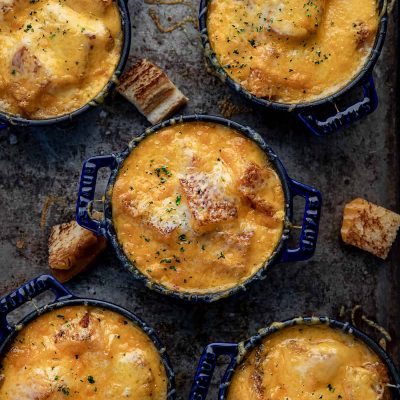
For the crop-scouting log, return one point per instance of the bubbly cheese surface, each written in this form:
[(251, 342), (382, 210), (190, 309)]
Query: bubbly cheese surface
[(310, 362), (82, 352), (197, 207), (292, 51), (56, 55)]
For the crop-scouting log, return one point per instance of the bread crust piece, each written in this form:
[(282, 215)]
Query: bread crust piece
[(207, 201), (251, 183), (369, 227), (152, 93), (72, 249)]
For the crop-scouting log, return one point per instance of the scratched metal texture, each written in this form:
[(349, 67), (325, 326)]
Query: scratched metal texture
[(42, 163)]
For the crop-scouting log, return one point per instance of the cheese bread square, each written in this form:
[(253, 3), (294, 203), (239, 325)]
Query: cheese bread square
[(369, 227), (72, 249), (149, 89)]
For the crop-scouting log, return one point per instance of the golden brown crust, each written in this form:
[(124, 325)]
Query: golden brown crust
[(72, 249), (369, 227), (363, 33), (206, 201), (150, 90), (250, 183)]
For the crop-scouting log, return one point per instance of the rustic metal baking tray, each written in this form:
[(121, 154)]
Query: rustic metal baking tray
[(39, 180)]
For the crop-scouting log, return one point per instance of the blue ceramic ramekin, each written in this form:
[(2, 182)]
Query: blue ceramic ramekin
[(64, 298), (310, 113), (7, 119), (238, 351), (282, 253)]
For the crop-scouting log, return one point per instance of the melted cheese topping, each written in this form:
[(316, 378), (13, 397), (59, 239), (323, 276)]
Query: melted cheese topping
[(292, 51), (82, 352), (56, 55), (310, 362), (197, 207)]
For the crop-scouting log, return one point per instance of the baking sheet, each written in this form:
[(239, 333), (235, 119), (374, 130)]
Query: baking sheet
[(39, 180)]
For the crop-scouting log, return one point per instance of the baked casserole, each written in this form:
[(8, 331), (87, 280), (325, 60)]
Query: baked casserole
[(82, 352), (197, 207), (292, 51), (56, 56), (304, 362)]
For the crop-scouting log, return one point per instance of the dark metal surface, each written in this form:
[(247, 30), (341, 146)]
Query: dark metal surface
[(40, 170)]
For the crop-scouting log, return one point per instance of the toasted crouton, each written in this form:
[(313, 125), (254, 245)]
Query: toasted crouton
[(149, 89), (72, 249), (251, 184), (206, 200), (369, 227)]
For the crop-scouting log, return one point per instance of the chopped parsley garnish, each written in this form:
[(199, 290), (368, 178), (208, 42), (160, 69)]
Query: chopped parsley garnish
[(221, 255), (28, 28), (182, 238), (178, 199), (163, 169), (331, 388), (91, 379)]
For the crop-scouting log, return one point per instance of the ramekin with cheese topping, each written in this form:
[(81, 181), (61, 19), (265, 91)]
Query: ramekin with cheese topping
[(59, 58), (199, 207), (301, 359), (79, 348), (297, 55)]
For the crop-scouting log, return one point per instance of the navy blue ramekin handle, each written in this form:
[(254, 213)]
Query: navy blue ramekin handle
[(309, 228), (344, 118), (25, 293), (206, 367), (87, 188)]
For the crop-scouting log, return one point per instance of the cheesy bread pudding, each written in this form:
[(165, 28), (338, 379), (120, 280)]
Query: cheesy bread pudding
[(197, 207), (292, 51), (56, 55), (82, 352), (310, 362)]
